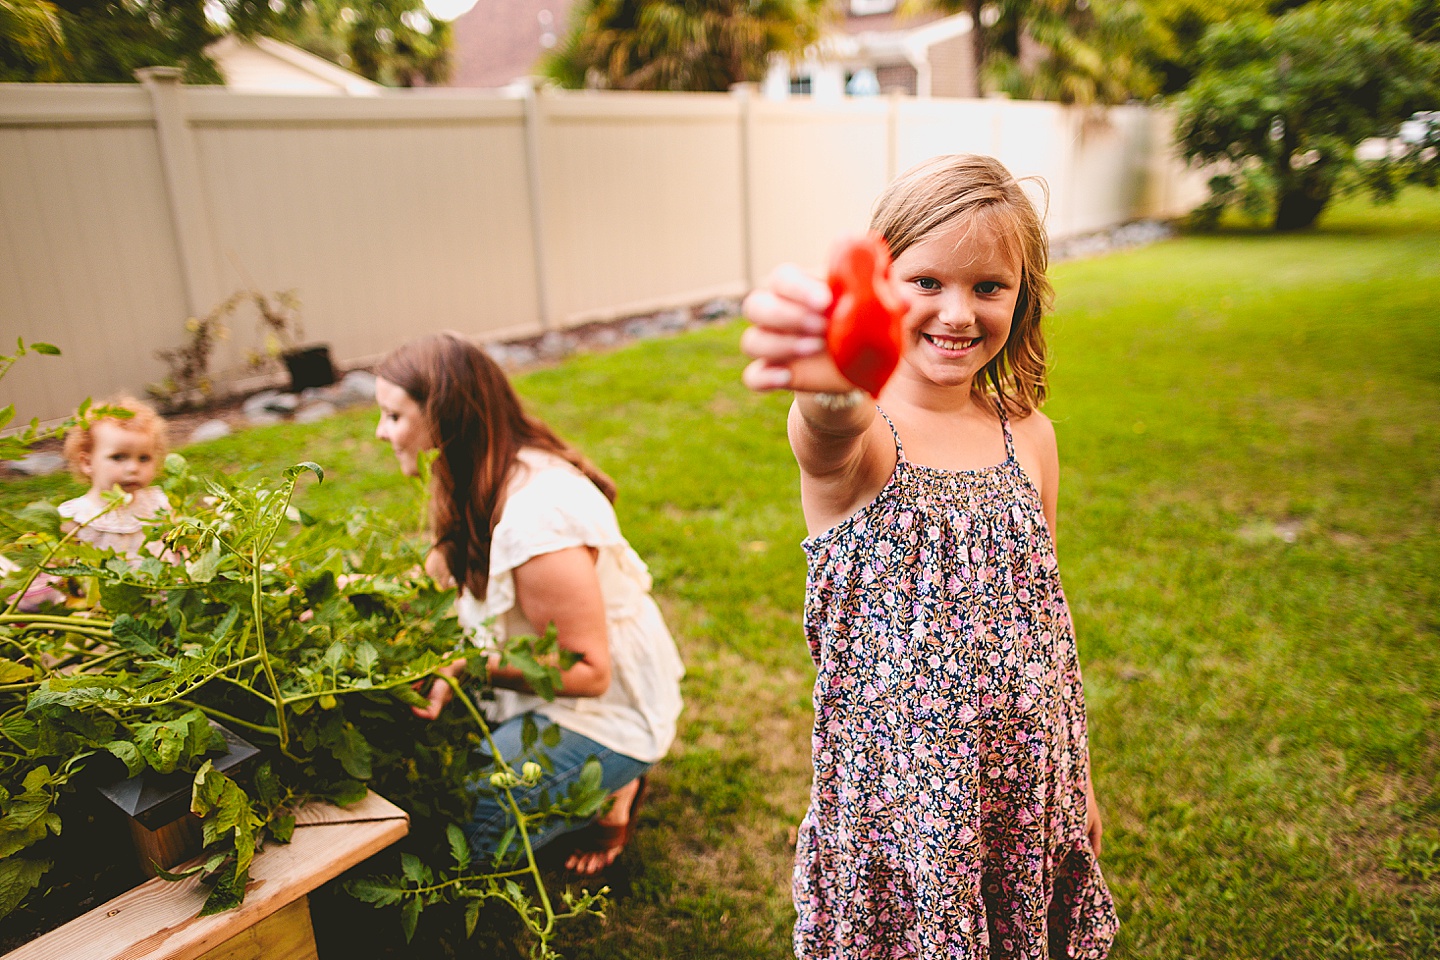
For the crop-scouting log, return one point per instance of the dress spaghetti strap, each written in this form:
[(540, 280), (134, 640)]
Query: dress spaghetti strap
[(1004, 426), (900, 447)]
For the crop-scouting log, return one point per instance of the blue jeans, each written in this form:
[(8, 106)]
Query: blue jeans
[(491, 818)]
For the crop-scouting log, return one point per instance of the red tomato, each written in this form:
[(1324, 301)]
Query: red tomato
[(865, 314)]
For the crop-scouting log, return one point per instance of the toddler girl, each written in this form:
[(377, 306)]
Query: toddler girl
[(112, 452), (952, 813)]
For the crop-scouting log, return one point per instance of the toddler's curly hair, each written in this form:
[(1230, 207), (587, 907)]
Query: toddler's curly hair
[(80, 440)]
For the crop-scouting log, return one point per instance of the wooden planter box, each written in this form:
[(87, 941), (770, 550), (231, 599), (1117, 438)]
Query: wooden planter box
[(158, 919)]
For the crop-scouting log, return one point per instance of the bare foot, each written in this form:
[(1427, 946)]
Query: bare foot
[(613, 824)]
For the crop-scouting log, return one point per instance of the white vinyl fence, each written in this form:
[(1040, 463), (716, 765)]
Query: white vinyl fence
[(125, 209)]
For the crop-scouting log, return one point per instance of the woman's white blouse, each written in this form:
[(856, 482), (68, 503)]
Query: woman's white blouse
[(551, 506)]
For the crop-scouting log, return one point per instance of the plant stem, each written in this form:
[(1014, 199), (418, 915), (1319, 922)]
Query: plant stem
[(70, 621), (257, 607), (532, 867), (231, 718)]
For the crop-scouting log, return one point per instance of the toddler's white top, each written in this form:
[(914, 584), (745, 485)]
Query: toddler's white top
[(121, 529), (550, 506)]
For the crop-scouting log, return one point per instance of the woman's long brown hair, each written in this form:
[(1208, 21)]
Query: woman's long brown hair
[(479, 428)]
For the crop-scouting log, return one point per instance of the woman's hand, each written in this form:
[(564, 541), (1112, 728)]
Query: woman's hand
[(440, 692), (786, 336), (1093, 827)]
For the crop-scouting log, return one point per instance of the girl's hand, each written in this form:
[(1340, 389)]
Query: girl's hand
[(440, 692), (786, 336), (1093, 827)]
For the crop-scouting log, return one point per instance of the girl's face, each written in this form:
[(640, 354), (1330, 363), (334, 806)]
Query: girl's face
[(402, 424), (962, 284), (119, 457)]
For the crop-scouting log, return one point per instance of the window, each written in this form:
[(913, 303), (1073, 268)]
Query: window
[(863, 8), (800, 86)]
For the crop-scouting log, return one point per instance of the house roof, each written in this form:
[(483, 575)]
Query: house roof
[(887, 36), (266, 65), (886, 22), (499, 41)]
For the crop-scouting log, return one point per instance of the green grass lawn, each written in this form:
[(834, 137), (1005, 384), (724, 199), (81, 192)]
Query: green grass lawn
[(1248, 533)]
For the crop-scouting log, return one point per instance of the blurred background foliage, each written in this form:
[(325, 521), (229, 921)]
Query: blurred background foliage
[(394, 42), (698, 45)]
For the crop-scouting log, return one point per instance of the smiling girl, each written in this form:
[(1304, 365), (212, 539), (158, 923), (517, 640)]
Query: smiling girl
[(952, 812)]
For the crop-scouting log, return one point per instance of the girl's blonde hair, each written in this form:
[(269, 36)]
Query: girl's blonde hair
[(80, 441), (934, 194)]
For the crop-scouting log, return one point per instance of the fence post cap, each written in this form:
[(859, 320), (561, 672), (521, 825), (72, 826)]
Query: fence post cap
[(159, 74)]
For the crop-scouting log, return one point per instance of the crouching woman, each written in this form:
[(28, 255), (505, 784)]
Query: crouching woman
[(523, 524)]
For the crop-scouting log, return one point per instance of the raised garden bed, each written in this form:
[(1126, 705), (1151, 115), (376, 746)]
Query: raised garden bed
[(159, 919)]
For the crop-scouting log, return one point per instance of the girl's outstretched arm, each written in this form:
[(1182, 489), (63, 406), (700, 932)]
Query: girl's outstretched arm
[(844, 450)]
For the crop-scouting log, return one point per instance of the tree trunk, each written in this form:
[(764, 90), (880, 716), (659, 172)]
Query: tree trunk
[(1302, 197), (977, 44)]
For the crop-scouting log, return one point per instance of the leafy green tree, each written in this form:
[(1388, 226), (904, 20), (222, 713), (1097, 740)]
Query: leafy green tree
[(394, 42), (31, 41), (1070, 51), (1168, 33), (693, 45), (1283, 103), (106, 41), (98, 41)]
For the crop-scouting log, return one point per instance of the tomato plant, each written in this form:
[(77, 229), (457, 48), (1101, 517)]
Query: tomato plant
[(305, 634)]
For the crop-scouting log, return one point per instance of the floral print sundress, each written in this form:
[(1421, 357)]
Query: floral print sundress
[(947, 814)]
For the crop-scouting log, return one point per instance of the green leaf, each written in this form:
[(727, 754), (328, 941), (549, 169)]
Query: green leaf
[(179, 875), (459, 846), (49, 349), (507, 838), (228, 891), (347, 793), (374, 890), (204, 567), (226, 813), (292, 472), (282, 828), (586, 794), (410, 917), (366, 656), (472, 917), (43, 517), (170, 744), (348, 745), (136, 635), (128, 754), (17, 878), (12, 672), (22, 730), (118, 598), (414, 868)]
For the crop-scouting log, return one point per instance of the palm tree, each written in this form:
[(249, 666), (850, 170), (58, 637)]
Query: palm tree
[(693, 45), (32, 42)]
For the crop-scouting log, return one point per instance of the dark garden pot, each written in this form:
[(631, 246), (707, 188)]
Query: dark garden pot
[(309, 367), (157, 806)]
